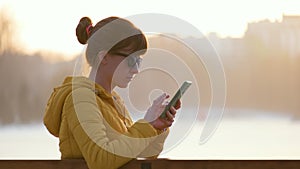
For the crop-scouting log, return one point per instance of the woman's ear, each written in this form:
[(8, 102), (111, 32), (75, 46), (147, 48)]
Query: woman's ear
[(102, 56)]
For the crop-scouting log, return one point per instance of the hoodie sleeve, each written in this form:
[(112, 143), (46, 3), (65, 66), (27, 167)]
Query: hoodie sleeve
[(155, 147), (90, 131)]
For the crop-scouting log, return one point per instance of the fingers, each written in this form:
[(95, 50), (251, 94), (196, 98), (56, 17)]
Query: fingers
[(159, 103), (178, 104), (171, 114), (170, 117), (155, 110), (162, 123), (173, 111), (161, 99)]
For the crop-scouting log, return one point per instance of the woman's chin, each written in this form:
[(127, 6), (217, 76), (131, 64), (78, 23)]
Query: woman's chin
[(125, 85)]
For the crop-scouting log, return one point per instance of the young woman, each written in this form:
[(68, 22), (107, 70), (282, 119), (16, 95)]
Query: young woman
[(86, 114)]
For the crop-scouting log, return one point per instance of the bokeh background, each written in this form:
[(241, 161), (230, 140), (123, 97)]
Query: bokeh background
[(258, 43)]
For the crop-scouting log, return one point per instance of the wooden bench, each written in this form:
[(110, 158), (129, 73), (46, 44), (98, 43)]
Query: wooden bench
[(156, 164)]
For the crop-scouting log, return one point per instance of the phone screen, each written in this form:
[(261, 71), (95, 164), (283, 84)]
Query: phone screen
[(177, 96)]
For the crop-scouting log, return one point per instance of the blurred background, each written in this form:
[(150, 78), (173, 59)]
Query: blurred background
[(258, 43)]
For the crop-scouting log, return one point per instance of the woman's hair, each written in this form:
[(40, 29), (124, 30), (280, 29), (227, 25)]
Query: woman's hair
[(111, 35)]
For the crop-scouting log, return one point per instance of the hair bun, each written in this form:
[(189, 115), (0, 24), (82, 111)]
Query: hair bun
[(81, 30)]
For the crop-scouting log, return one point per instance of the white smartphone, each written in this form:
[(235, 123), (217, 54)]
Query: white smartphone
[(177, 96)]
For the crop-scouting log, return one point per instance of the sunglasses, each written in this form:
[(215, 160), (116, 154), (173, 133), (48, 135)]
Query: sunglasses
[(132, 60)]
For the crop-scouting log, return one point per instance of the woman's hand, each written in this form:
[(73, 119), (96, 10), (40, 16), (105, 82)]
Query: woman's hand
[(154, 112)]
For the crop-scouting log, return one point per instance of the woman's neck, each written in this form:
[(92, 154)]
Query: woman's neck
[(101, 79)]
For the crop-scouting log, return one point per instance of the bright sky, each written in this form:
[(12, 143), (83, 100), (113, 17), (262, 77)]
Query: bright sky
[(50, 24)]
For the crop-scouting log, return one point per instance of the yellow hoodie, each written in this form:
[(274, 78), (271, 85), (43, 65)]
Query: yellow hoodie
[(95, 125)]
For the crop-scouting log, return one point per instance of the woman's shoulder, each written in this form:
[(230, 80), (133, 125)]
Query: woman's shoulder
[(81, 94)]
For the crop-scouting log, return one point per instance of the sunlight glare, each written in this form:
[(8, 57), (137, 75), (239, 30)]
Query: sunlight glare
[(50, 25)]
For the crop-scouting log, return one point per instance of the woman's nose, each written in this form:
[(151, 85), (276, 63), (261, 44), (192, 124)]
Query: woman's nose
[(135, 69)]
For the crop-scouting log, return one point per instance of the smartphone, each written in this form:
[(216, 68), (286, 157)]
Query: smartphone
[(177, 96)]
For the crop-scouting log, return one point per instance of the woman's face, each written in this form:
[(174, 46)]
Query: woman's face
[(126, 66)]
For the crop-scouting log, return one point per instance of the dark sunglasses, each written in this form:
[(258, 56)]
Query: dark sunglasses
[(132, 60)]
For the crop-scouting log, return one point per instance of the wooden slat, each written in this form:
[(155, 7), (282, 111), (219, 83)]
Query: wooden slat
[(43, 164), (213, 164), (156, 164)]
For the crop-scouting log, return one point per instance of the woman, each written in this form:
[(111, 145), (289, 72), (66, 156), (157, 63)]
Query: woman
[(89, 118)]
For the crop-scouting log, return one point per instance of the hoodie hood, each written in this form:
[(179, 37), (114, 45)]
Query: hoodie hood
[(52, 118)]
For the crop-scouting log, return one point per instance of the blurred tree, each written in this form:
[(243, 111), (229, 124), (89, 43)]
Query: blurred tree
[(7, 30)]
